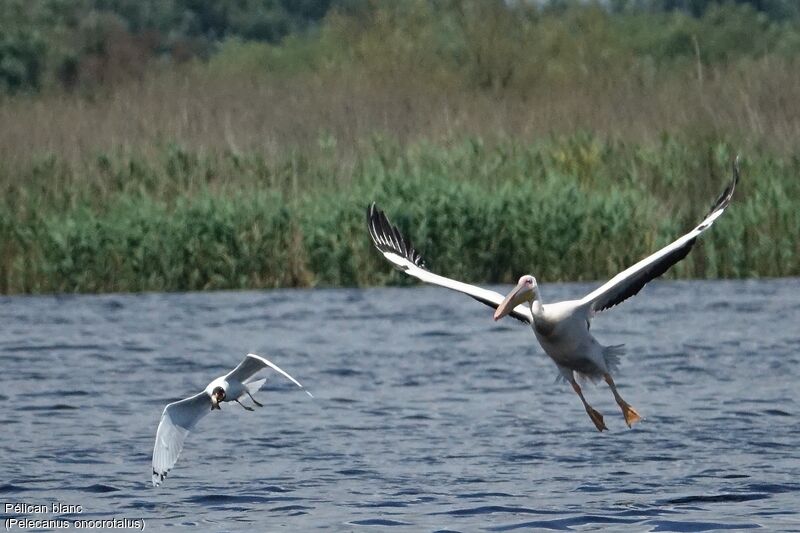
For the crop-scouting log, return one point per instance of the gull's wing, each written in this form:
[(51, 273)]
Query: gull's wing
[(251, 364), (631, 280), (399, 251), (177, 420)]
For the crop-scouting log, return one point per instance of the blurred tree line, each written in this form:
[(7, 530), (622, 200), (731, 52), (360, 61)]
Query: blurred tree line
[(90, 43), (97, 41), (775, 9)]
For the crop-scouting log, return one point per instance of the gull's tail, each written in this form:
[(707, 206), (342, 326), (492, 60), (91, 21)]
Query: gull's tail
[(254, 386)]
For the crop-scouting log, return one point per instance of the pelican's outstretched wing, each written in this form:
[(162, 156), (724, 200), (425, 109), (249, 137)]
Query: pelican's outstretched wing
[(177, 420), (251, 364), (399, 251), (631, 280)]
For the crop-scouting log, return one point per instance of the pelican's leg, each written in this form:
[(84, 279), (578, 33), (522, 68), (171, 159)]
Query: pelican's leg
[(595, 415), (254, 400), (630, 414), (243, 405)]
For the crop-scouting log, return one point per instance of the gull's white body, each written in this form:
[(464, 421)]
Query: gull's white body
[(180, 417), (562, 328)]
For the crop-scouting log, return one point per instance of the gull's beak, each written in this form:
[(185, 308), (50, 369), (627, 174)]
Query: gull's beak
[(521, 293)]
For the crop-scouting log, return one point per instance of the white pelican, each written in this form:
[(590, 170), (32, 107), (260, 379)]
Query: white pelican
[(562, 328), (180, 417)]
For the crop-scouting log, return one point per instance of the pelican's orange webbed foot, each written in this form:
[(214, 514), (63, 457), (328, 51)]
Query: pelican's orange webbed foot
[(597, 418), (630, 414)]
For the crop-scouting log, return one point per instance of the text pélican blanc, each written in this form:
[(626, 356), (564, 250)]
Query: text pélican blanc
[(59, 508), (42, 508)]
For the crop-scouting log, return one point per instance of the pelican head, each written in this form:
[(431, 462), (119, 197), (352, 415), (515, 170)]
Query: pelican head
[(525, 291), (217, 396)]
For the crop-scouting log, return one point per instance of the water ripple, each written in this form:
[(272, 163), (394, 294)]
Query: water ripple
[(429, 416)]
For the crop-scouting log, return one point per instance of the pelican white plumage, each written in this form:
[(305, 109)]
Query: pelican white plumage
[(180, 417), (562, 328)]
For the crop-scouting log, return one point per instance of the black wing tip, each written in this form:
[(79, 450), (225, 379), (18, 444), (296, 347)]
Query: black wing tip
[(727, 194), (735, 171), (725, 198), (161, 477), (387, 237), (678, 254)]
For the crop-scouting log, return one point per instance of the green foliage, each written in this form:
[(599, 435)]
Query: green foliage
[(520, 48), (140, 244), (574, 208), (22, 50), (20, 61), (254, 168), (94, 43), (235, 56), (478, 45), (775, 9)]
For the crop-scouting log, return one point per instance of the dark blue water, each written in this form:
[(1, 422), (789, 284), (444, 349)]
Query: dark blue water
[(428, 415)]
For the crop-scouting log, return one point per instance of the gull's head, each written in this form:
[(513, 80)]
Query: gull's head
[(217, 395), (524, 292)]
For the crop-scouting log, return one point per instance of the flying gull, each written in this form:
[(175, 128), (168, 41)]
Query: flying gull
[(180, 417)]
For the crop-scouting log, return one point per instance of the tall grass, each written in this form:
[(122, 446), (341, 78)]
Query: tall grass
[(503, 139), (437, 71), (574, 208)]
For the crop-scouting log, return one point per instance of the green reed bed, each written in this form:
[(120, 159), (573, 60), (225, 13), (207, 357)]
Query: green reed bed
[(573, 208)]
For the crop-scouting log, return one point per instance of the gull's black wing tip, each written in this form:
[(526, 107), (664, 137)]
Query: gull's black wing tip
[(387, 237), (159, 477)]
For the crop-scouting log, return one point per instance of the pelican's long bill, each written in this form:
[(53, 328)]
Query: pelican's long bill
[(520, 294)]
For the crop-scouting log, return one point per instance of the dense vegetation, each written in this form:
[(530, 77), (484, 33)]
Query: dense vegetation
[(183, 144)]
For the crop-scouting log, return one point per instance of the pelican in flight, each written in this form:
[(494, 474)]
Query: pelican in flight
[(180, 417), (562, 328)]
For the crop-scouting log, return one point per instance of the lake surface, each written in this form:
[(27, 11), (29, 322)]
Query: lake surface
[(428, 416)]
